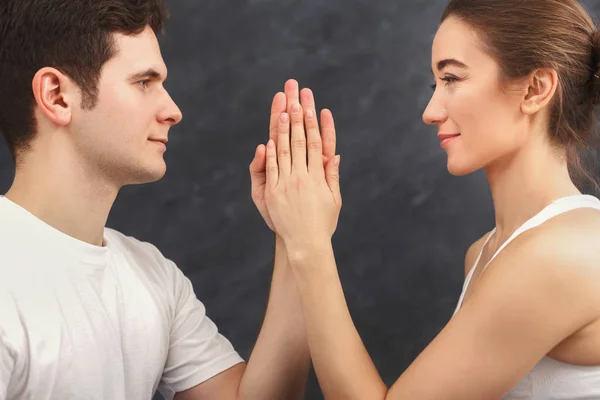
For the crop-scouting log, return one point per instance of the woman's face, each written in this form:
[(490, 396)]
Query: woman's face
[(479, 122)]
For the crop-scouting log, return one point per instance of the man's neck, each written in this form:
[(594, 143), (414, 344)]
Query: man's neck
[(69, 199)]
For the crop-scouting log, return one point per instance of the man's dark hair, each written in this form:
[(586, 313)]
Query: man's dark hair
[(73, 36)]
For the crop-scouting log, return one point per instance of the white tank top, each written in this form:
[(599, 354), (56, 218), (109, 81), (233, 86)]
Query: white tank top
[(550, 379)]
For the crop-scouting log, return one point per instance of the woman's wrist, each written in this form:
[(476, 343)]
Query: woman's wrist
[(279, 240), (307, 252)]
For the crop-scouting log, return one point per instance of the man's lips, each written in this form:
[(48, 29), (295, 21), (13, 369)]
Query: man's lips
[(162, 142)]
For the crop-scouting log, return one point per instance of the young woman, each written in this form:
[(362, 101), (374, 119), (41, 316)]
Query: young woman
[(516, 86)]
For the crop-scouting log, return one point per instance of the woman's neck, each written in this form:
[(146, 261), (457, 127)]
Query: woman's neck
[(523, 184)]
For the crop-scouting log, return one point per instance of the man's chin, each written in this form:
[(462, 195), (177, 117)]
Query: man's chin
[(149, 175), (154, 176)]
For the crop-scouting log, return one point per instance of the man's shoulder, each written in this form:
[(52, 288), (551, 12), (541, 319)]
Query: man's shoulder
[(139, 254), (123, 243)]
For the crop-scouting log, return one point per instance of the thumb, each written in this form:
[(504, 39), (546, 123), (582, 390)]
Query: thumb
[(257, 166), (332, 175)]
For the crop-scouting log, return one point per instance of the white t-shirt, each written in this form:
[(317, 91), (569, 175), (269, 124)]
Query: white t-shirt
[(79, 321)]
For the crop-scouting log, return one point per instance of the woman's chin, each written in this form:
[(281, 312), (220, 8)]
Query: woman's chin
[(460, 169)]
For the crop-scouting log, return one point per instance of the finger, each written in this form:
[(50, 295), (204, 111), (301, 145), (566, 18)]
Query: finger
[(313, 143), (332, 175), (298, 140), (291, 94), (272, 171), (279, 105), (307, 100), (284, 156), (328, 135)]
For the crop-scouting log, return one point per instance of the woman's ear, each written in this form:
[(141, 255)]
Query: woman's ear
[(541, 87)]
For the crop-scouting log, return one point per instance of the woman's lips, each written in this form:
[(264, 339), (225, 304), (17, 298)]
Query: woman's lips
[(447, 138)]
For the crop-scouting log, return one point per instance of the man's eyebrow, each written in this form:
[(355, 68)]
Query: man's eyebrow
[(149, 73), (450, 61)]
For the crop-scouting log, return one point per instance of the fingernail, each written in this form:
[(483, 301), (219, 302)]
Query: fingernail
[(270, 143), (309, 114), (284, 118), (336, 161), (296, 108)]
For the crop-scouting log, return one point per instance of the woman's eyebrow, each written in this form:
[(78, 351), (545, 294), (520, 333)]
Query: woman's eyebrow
[(450, 61)]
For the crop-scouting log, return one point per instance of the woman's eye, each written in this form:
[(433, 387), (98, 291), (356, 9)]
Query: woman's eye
[(447, 79)]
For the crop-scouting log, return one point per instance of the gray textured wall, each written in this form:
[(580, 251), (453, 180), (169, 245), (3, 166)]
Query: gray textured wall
[(406, 223)]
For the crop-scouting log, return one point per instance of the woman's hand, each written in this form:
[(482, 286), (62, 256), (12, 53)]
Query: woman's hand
[(282, 102), (302, 195)]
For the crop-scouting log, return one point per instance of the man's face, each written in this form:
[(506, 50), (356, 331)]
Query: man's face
[(119, 139)]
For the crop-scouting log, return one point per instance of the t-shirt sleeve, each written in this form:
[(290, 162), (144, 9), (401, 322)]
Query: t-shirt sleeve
[(7, 362), (197, 351)]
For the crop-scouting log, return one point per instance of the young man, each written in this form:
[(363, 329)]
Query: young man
[(85, 311)]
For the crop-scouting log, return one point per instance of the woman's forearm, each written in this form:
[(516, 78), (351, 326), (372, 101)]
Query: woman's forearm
[(343, 366)]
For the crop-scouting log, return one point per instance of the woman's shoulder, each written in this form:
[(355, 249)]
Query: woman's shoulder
[(572, 233), (563, 251), (553, 269)]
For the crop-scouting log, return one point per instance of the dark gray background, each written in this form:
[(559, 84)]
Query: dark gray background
[(405, 224)]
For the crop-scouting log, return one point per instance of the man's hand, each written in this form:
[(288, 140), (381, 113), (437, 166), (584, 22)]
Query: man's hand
[(257, 167)]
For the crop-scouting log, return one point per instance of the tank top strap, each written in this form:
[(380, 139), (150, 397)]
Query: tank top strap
[(555, 208), (472, 270)]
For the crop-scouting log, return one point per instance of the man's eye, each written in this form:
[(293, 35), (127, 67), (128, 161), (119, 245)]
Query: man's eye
[(144, 83)]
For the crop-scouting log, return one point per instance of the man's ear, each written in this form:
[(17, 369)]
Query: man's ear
[(541, 86), (55, 95)]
